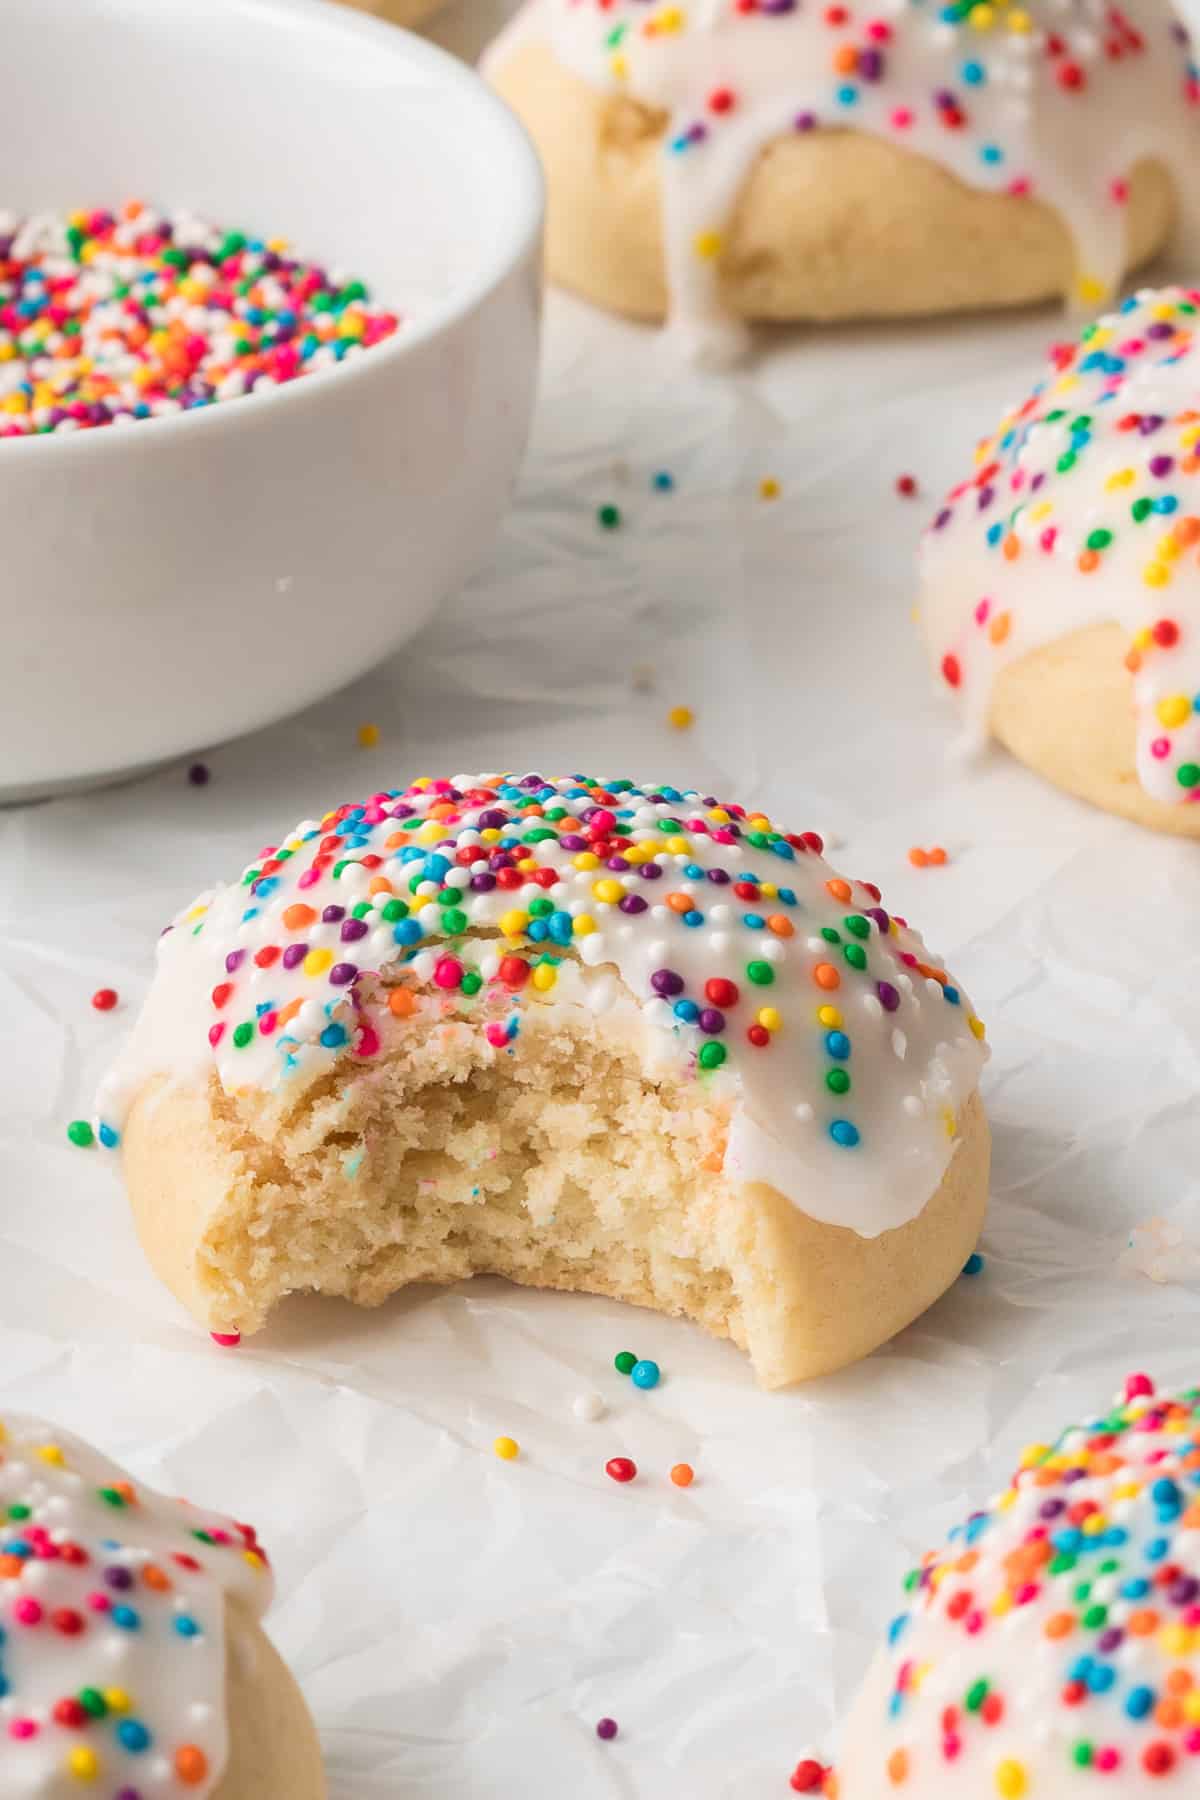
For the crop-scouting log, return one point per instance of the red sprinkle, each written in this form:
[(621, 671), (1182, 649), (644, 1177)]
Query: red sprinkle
[(104, 999), (906, 485), (620, 1468), (228, 1340)]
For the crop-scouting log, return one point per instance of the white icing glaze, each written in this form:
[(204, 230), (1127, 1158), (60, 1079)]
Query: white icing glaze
[(839, 1047), (1052, 1649), (112, 1626), (1066, 525), (1058, 99)]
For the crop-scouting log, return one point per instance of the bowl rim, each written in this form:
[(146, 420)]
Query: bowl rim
[(432, 322)]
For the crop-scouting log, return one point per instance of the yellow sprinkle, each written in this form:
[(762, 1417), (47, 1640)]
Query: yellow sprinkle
[(983, 17), (431, 832), (618, 68), (949, 1122), (254, 1558), (830, 1017), (1175, 710), (977, 1027), (1091, 290), (607, 890), (719, 816), (678, 846), (1156, 575), (770, 1018), (1190, 437), (317, 961), (1001, 1604), (513, 922), (527, 865), (768, 488), (1034, 1455), (1142, 639), (584, 925), (50, 1453), (117, 1700), (680, 717), (507, 1449), (707, 245), (83, 1764), (368, 736), (768, 890), (1011, 1779), (587, 859), (1191, 1706), (1019, 21), (544, 977), (1121, 479), (1176, 1640), (490, 835)]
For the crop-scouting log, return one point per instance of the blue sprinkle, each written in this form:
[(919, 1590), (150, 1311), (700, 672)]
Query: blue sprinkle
[(693, 918), (1101, 1678), (974, 74), (125, 1617), (837, 1045), (1139, 1701), (663, 481), (108, 1137), (844, 1133), (333, 1037), (973, 1264), (644, 1374), (755, 921), (846, 95), (186, 1626), (408, 932), (991, 153), (687, 1010), (951, 994), (133, 1735)]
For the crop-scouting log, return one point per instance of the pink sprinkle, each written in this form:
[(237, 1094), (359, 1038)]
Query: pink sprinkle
[(902, 118), (497, 1036), (309, 878), (879, 30), (1107, 1759), (1049, 538), (982, 611), (448, 973), (1120, 191), (951, 1746), (368, 1042), (1160, 748), (99, 1602), (267, 1023), (27, 1612), (216, 1033), (22, 1728), (974, 1623), (1021, 188), (228, 1340), (1191, 1742)]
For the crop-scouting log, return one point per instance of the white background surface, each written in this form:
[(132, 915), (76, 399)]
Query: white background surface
[(458, 1623)]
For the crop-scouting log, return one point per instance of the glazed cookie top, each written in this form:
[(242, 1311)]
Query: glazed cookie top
[(840, 1046), (1055, 99), (1053, 1646), (112, 1626), (1084, 509)]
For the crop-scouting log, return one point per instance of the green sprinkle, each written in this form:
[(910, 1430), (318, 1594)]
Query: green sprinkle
[(1188, 774), (837, 1081), (830, 935), (623, 1361), (471, 982), (454, 920), (81, 1134), (859, 926), (538, 909), (712, 1055), (111, 1497), (1099, 540), (761, 973), (1065, 462), (1141, 510), (608, 517), (1081, 1754), (394, 910), (19, 1511), (855, 955), (977, 1693), (1095, 1617), (242, 1034), (93, 1702)]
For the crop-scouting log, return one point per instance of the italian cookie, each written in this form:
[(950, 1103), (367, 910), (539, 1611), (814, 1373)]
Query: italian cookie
[(1052, 1649), (1060, 583), (783, 159), (584, 1034), (132, 1661)]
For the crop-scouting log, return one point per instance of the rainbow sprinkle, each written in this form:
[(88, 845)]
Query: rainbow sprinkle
[(108, 318), (1060, 1628)]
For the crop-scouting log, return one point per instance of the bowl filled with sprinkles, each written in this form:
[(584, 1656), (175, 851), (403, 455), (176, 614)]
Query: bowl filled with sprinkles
[(268, 343)]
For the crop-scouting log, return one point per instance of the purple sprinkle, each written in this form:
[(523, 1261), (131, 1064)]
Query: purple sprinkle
[(943, 519), (616, 862), (666, 982), (342, 974), (1110, 1640), (1037, 481), (944, 99), (1073, 1475), (354, 929), (880, 917), (1149, 424), (492, 820), (294, 954), (571, 840), (1050, 1509), (712, 1021), (777, 6), (985, 497), (234, 961), (1160, 330), (870, 65), (332, 914), (483, 884), (805, 121), (606, 1728), (1183, 1591), (533, 781), (650, 871), (719, 876), (1161, 465), (889, 997), (128, 1793), (697, 133), (118, 1578), (198, 774), (632, 903)]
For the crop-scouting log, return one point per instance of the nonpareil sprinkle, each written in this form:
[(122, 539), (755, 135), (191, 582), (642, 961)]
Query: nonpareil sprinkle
[(107, 318)]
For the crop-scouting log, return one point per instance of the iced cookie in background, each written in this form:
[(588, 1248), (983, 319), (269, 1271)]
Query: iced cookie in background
[(132, 1660), (1060, 582), (1051, 1650), (588, 1035), (772, 159)]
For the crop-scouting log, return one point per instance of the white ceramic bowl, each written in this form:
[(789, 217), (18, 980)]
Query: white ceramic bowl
[(177, 581)]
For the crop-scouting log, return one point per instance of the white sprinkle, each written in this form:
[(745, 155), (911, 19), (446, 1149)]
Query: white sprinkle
[(588, 1407)]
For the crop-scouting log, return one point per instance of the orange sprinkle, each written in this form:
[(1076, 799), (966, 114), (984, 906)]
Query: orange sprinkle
[(1144, 1623), (1180, 1681), (1089, 560), (401, 1002), (683, 1474), (155, 1578), (396, 839), (680, 903), (1186, 531), (838, 888), (1169, 1714), (845, 59), (1012, 548), (1000, 627), (1061, 1625), (781, 925), (191, 1765), (288, 1012), (938, 857), (297, 916), (379, 884), (827, 977), (918, 857), (897, 1767), (11, 1568), (1133, 661)]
